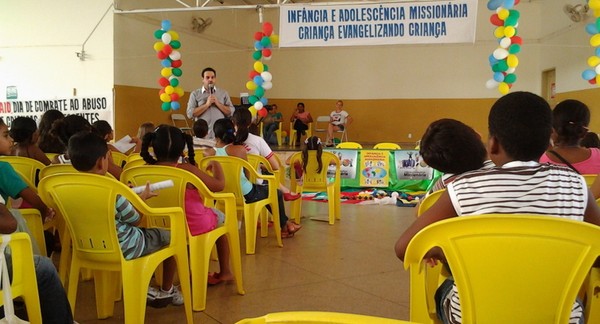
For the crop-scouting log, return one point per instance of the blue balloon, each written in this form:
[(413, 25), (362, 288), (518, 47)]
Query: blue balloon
[(166, 25), (588, 74), (175, 105), (258, 45), (597, 51), (166, 63), (494, 4), (508, 4), (492, 59), (499, 76), (264, 100), (591, 29), (258, 80)]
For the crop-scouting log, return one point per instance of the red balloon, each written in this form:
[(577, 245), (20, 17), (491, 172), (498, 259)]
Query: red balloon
[(161, 55), (262, 112), (161, 91), (258, 36), (176, 63), (592, 81), (174, 96), (517, 2), (267, 28), (266, 52), (516, 40), (496, 21), (167, 49), (253, 74), (163, 82)]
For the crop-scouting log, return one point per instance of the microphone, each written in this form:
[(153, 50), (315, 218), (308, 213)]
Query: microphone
[(211, 88)]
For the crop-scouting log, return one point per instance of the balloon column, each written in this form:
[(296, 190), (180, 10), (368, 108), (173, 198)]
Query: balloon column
[(593, 75), (260, 77), (170, 59), (504, 59)]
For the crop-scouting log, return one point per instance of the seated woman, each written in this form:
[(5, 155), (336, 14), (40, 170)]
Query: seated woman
[(24, 132)]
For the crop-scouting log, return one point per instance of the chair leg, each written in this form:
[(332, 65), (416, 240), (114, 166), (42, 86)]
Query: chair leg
[(105, 283)]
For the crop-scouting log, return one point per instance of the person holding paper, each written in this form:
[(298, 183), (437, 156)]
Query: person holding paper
[(209, 102)]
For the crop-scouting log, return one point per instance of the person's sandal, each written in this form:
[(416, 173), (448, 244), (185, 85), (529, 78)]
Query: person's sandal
[(286, 234)]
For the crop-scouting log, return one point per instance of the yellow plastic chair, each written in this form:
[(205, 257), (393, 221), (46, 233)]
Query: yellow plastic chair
[(119, 158), (349, 145), (24, 282), (309, 133), (589, 178), (51, 156), (87, 203), (36, 226), (257, 160), (232, 167), (62, 168), (507, 268), (200, 246), (133, 163), (313, 181), (277, 132), (387, 146), (28, 168), (429, 200), (307, 317)]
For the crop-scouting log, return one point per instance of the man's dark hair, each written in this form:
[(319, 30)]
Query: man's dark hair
[(84, 150), (521, 122), (300, 104), (450, 146), (102, 128), (207, 70), (200, 128), (570, 120)]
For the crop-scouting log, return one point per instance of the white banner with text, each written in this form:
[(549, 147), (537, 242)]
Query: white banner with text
[(378, 24)]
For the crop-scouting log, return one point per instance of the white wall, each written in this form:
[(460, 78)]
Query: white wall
[(38, 42)]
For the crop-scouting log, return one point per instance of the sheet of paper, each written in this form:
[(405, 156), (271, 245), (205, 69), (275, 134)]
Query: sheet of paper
[(124, 144)]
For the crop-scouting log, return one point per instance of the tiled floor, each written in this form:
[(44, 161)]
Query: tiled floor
[(347, 267)]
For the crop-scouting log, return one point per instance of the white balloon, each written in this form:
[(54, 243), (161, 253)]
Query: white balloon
[(500, 53), (491, 84), (166, 38), (175, 55), (505, 42), (267, 58), (511, 70), (267, 76), (267, 85), (258, 105)]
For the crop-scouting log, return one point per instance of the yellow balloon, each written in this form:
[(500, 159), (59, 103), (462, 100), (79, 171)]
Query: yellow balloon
[(166, 72), (593, 61), (509, 31), (598, 79), (499, 32), (250, 85), (274, 39), (503, 14), (165, 97), (503, 88), (158, 46), (259, 67), (597, 12), (594, 4), (512, 60), (595, 40), (252, 111), (174, 35), (169, 89)]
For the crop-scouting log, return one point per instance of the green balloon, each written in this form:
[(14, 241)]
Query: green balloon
[(175, 44), (252, 99), (510, 78), (514, 48), (259, 92), (514, 13), (265, 41), (511, 21), (257, 55), (265, 67), (165, 106), (158, 33), (598, 23), (174, 82), (502, 66), (177, 72), (495, 68)]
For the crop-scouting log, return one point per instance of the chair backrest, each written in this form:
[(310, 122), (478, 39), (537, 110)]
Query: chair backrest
[(134, 163), (321, 123), (311, 178), (349, 145), (428, 201), (179, 120), (87, 204), (232, 168), (119, 158), (589, 179), (28, 168), (257, 160), (24, 282), (387, 146), (308, 317), (62, 168), (508, 267)]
